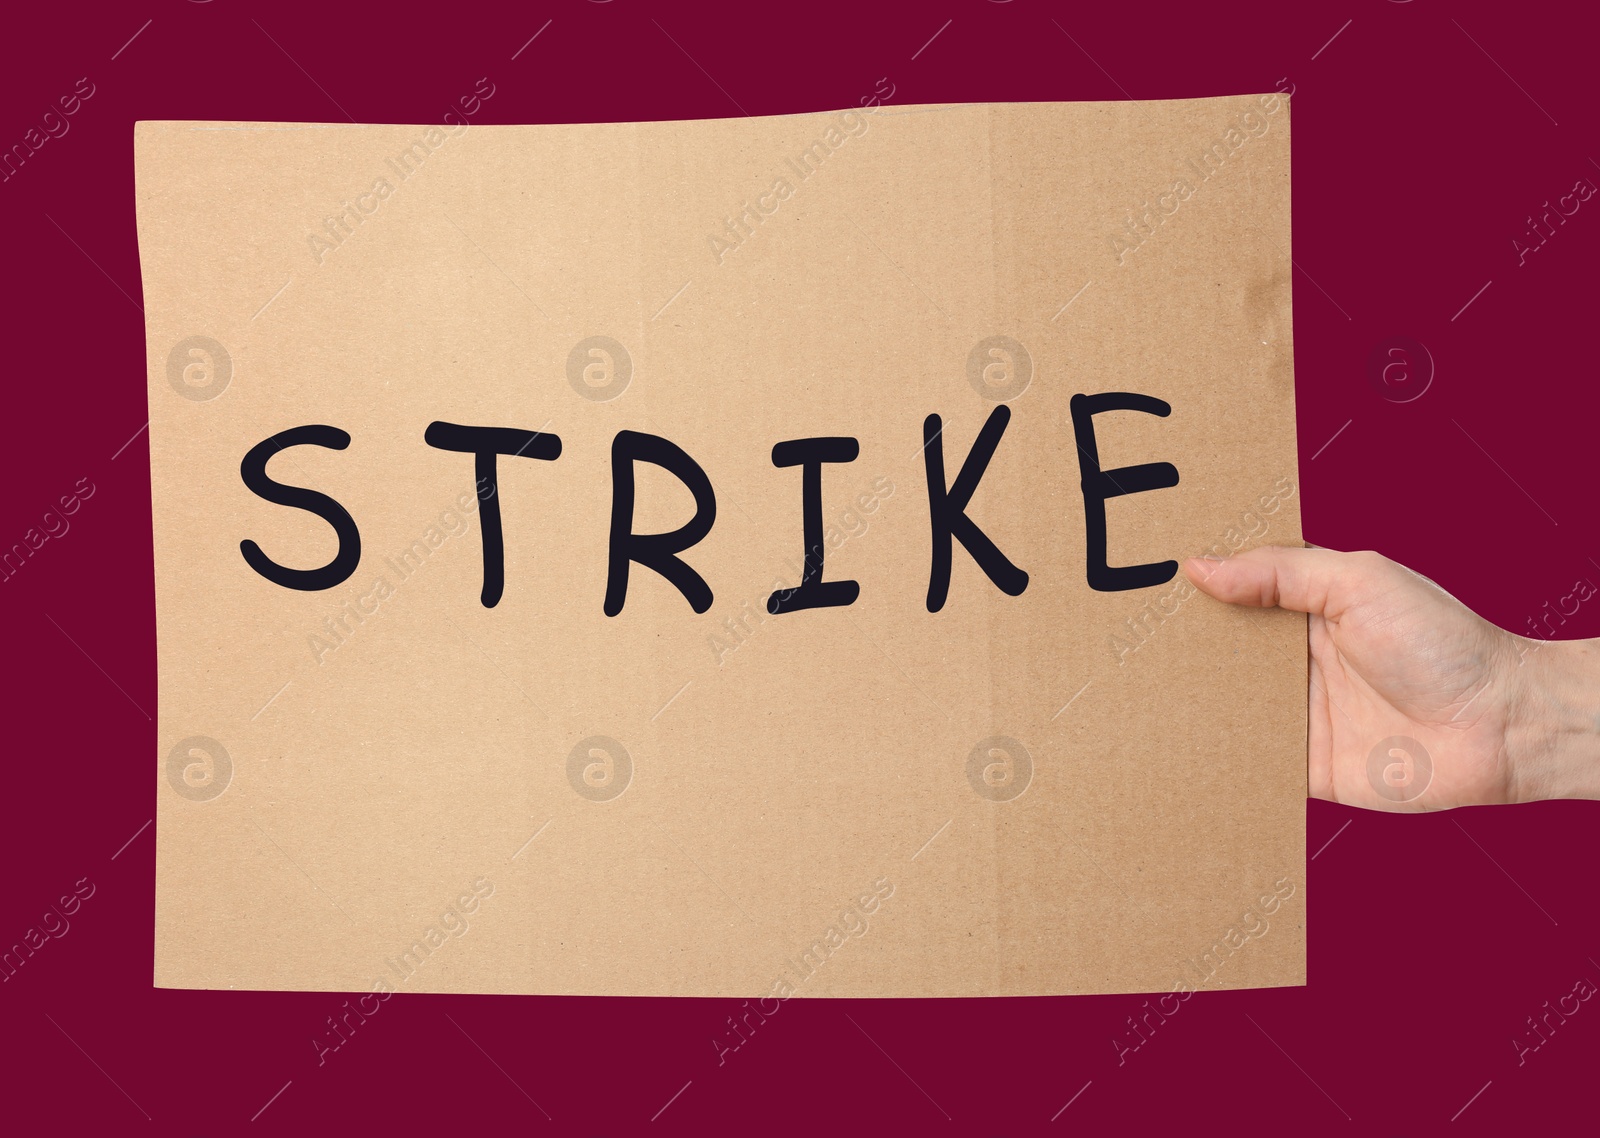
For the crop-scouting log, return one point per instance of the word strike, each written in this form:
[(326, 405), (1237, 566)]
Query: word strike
[(947, 505)]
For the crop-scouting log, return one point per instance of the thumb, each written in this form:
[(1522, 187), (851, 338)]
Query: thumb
[(1301, 580)]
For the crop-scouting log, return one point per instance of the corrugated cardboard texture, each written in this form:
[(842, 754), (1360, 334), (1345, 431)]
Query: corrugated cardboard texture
[(387, 785)]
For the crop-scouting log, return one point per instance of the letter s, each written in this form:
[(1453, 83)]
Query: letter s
[(253, 469)]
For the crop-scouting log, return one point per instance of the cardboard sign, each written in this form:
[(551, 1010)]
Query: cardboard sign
[(724, 558)]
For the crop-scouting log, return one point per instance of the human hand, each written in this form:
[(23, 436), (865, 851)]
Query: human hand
[(1502, 718)]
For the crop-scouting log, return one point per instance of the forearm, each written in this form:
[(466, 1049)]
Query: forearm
[(1553, 736)]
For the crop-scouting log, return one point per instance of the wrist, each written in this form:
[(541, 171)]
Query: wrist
[(1553, 730)]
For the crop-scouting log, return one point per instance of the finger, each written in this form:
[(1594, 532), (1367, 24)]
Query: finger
[(1302, 580), (1319, 734)]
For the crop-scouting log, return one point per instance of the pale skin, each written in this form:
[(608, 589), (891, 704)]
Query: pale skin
[(1503, 718)]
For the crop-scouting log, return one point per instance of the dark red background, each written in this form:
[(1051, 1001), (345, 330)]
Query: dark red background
[(1417, 160)]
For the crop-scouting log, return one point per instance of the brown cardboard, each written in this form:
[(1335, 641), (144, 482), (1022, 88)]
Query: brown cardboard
[(1067, 790)]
